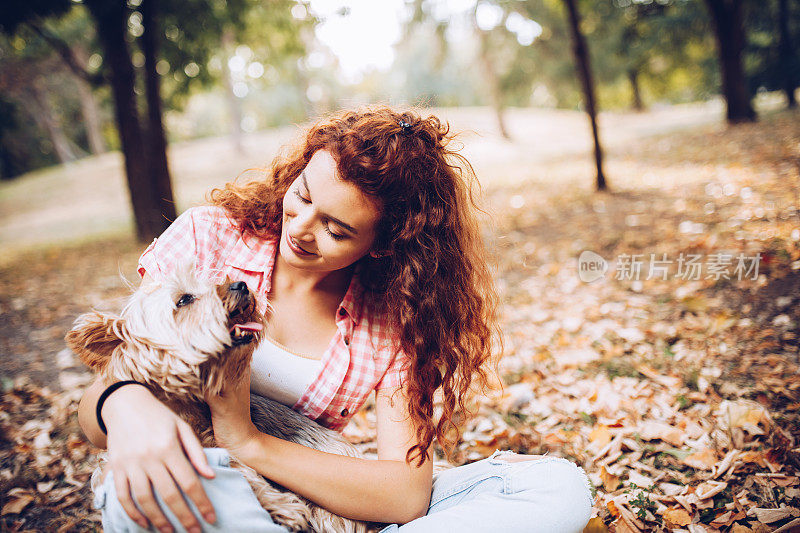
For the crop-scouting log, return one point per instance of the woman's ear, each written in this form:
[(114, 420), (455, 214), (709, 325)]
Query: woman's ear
[(94, 337)]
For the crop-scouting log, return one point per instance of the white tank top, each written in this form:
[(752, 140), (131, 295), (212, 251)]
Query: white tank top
[(280, 374)]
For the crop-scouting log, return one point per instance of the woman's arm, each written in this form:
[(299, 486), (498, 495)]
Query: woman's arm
[(148, 445), (386, 490), (86, 412)]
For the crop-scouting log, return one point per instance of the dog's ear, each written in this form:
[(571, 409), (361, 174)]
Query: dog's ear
[(94, 337)]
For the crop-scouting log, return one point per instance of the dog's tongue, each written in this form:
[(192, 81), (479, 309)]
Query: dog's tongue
[(248, 326)]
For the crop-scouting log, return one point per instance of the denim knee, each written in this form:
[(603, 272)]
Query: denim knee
[(235, 504), (559, 483)]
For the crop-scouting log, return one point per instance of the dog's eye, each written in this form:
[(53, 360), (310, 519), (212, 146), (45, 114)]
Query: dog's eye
[(186, 299)]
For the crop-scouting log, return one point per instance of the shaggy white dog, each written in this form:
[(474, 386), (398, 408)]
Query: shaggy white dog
[(185, 338)]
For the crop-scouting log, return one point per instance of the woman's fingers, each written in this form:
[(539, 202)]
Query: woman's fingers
[(124, 497), (169, 492), (194, 450), (187, 479), (143, 493)]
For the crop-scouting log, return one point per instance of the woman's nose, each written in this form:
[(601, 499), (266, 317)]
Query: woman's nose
[(302, 223)]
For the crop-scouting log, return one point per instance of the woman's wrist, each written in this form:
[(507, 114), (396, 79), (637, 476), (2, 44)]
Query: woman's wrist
[(131, 394), (252, 449)]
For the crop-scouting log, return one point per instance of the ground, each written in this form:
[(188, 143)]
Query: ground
[(676, 388)]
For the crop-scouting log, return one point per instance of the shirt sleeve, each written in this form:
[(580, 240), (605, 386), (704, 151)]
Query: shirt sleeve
[(396, 374), (186, 240)]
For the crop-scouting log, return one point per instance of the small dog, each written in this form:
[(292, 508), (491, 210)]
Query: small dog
[(185, 338)]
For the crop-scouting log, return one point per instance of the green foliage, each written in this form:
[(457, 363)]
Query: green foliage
[(766, 66), (190, 60), (36, 83), (15, 13), (642, 502), (21, 146)]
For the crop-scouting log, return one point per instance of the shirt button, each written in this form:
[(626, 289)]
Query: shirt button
[(342, 311), (345, 412), (347, 341)]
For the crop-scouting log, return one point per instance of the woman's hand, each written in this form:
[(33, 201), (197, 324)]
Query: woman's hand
[(230, 415), (150, 447)]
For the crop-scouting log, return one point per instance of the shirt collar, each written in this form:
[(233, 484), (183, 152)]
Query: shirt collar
[(353, 301), (255, 255), (258, 255)]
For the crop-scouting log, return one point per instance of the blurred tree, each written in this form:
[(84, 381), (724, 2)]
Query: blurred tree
[(24, 79), (22, 147), (787, 51), (148, 176), (773, 29), (62, 105), (150, 196), (271, 44), (650, 51), (493, 49), (727, 16), (493, 57), (193, 31), (582, 64), (72, 38)]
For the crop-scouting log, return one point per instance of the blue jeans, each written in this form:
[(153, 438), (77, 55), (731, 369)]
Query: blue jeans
[(548, 495)]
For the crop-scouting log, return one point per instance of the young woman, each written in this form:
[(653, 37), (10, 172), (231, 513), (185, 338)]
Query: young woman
[(364, 241)]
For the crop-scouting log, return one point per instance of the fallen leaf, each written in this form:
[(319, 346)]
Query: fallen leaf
[(610, 481), (769, 516), (709, 489), (702, 460), (653, 429), (596, 525), (638, 479), (678, 517), (600, 436)]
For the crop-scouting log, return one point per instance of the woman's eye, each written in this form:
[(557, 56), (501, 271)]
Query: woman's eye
[(186, 299), (304, 200), (335, 235)]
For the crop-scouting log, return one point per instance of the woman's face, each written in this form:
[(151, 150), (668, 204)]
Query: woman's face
[(328, 223)]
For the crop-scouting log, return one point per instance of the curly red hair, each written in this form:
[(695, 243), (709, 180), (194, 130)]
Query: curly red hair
[(433, 268)]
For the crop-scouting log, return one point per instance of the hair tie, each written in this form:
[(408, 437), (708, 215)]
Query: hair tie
[(104, 396), (405, 126)]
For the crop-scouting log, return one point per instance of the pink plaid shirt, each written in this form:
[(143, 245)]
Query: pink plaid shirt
[(360, 357)]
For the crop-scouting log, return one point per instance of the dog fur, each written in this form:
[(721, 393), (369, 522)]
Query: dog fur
[(179, 337)]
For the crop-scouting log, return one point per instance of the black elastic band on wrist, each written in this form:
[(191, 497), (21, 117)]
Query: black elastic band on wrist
[(103, 397)]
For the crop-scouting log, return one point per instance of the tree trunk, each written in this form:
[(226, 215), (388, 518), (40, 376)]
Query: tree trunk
[(89, 109), (234, 104), (156, 142), (91, 117), (495, 93), (633, 77), (40, 108), (787, 54), (111, 24), (727, 16), (585, 72)]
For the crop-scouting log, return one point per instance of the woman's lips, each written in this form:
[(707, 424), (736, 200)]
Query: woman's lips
[(295, 247)]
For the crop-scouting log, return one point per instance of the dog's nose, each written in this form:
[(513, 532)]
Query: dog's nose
[(238, 286)]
